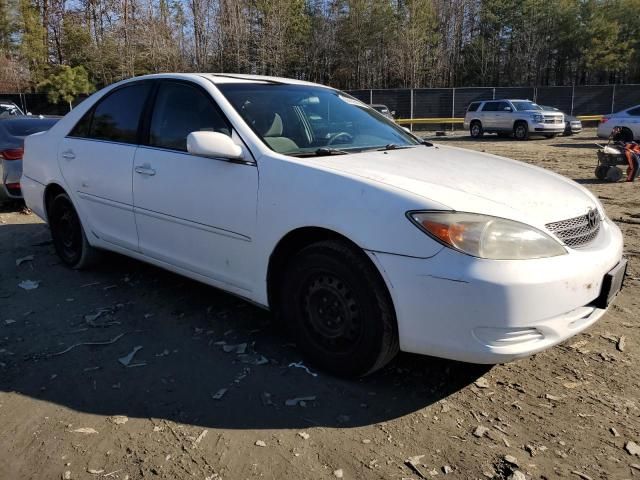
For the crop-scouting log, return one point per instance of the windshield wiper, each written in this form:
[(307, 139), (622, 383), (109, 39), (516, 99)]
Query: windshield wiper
[(393, 146), (321, 152)]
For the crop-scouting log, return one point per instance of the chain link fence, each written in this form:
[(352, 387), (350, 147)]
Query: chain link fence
[(448, 103)]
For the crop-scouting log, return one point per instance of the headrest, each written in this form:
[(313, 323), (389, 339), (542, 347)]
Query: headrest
[(275, 130)]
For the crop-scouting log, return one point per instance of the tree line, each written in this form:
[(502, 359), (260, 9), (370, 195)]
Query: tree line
[(78, 45)]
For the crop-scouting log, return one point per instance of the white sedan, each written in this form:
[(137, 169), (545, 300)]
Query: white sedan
[(361, 238), (628, 120)]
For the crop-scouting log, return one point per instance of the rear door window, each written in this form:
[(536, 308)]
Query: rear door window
[(180, 109), (490, 107), (116, 118)]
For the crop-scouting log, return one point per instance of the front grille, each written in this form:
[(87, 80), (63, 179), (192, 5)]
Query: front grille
[(550, 119), (578, 231)]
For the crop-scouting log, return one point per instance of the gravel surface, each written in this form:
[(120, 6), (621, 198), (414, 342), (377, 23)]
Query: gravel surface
[(127, 371)]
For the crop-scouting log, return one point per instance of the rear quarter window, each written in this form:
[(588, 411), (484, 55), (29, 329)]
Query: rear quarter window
[(634, 112), (473, 107)]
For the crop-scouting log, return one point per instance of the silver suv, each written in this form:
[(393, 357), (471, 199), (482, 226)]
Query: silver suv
[(519, 118)]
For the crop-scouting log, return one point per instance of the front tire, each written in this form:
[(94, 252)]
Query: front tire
[(68, 235), (338, 309), (521, 131)]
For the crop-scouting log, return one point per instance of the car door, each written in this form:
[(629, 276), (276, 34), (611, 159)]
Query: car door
[(503, 117), (489, 115), (96, 161), (194, 212), (633, 121)]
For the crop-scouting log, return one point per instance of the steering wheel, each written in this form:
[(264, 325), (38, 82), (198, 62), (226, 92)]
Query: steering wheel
[(347, 136)]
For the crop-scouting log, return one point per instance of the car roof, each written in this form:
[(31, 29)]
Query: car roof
[(221, 78)]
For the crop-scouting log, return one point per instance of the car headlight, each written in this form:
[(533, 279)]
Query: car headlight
[(538, 118), (487, 237)]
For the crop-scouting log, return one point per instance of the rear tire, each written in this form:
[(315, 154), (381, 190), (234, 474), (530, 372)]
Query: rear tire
[(601, 172), (338, 309), (68, 235), (475, 129), (614, 174), (521, 131)]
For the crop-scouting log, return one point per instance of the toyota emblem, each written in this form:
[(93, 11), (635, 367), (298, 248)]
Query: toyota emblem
[(592, 218)]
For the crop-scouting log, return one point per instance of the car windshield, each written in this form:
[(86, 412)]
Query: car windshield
[(9, 110), (303, 120), (522, 106), (28, 126)]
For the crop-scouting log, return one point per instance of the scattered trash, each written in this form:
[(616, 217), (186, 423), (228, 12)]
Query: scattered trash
[(93, 471), (302, 401), (239, 348), (85, 430), (552, 397), (621, 343), (20, 261), (219, 394), (197, 441), (480, 431), (9, 321), (119, 419), (481, 383), (304, 435), (510, 459), (29, 284), (632, 448), (614, 432), (414, 464), (126, 360), (583, 476), (447, 469), (338, 473), (108, 342), (366, 440), (517, 475), (260, 443), (66, 475), (304, 367)]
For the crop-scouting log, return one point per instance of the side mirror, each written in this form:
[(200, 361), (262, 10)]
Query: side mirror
[(406, 129), (393, 112), (213, 144)]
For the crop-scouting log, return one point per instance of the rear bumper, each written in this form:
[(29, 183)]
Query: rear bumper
[(486, 311), (10, 173), (33, 193)]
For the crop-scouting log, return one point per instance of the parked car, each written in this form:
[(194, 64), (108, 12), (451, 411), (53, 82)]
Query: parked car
[(520, 118), (360, 237), (9, 109), (572, 124), (628, 120), (13, 130), (384, 110)]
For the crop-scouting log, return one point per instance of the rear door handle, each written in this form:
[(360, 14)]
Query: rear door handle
[(68, 154), (145, 170)]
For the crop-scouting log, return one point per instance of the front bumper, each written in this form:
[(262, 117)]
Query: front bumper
[(547, 127), (486, 311), (575, 127)]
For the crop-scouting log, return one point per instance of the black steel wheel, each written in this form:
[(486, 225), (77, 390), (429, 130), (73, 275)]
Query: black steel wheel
[(68, 235), (338, 309)]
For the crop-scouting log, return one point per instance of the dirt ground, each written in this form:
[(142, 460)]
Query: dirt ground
[(69, 409)]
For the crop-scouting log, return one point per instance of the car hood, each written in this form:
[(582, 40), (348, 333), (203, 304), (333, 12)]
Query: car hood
[(465, 180)]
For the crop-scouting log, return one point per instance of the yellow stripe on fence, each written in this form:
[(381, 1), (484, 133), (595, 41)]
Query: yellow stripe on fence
[(451, 120)]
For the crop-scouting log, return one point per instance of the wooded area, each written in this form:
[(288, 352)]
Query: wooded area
[(350, 44)]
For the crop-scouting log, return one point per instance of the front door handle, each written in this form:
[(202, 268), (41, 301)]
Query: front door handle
[(145, 170), (68, 154)]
